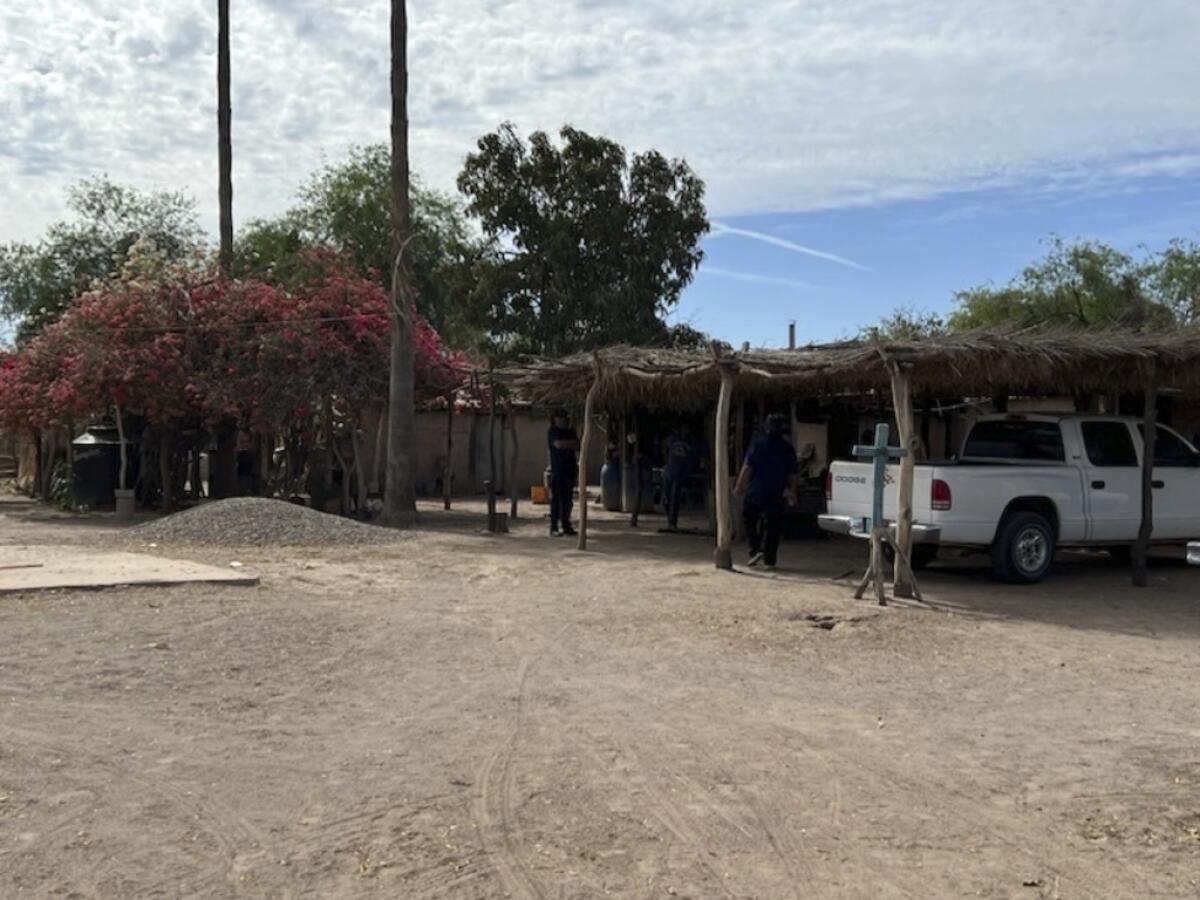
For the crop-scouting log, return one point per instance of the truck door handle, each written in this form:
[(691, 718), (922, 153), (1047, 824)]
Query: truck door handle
[(1158, 484), (1098, 485)]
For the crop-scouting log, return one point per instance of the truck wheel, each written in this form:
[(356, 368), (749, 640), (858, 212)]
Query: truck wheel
[(1024, 548), (922, 555)]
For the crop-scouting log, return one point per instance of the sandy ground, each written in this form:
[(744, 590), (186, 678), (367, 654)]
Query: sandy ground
[(482, 717)]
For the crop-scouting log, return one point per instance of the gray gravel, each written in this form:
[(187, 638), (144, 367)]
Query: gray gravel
[(260, 522)]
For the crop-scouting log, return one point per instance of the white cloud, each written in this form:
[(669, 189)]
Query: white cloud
[(779, 105), (719, 229)]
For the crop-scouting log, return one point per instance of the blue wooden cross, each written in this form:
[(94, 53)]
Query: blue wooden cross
[(880, 452)]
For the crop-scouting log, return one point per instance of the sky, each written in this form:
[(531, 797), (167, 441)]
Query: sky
[(859, 154)]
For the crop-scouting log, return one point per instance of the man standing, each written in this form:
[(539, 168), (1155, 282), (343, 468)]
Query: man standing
[(681, 462), (770, 469), (563, 443)]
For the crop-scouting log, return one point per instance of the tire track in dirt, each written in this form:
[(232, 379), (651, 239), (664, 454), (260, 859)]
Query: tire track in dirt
[(230, 832), (492, 806), (763, 819), (1018, 843)]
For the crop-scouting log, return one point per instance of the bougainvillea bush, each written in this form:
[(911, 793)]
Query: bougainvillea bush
[(175, 347)]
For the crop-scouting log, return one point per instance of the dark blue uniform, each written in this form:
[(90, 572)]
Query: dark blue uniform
[(681, 462), (562, 477), (772, 461)]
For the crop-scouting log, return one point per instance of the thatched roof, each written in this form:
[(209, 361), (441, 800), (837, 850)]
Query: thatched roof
[(1046, 363)]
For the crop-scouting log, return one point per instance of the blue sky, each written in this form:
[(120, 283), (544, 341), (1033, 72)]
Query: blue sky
[(933, 143), (917, 253)]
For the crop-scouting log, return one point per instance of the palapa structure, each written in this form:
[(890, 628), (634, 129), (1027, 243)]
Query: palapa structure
[(977, 363)]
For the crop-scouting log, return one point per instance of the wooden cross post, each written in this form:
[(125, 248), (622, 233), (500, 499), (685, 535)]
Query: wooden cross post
[(879, 453)]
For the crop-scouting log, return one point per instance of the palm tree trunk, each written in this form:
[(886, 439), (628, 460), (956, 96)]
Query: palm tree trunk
[(224, 140), (399, 501)]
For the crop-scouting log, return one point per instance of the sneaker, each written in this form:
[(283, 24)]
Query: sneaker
[(755, 559), (555, 532), (769, 567), (568, 531)]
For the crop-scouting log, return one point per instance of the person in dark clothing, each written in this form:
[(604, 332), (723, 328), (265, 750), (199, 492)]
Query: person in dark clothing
[(563, 443), (769, 471), (680, 464)]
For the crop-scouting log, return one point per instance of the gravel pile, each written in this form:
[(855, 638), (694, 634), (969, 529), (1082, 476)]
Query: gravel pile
[(260, 522)]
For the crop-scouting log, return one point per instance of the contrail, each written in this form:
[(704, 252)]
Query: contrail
[(719, 229), (706, 269)]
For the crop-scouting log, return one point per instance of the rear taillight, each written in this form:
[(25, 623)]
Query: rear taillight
[(828, 484), (939, 495)]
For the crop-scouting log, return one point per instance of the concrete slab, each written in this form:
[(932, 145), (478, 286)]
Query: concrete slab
[(50, 568)]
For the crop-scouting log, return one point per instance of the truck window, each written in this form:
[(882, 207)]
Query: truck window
[(1170, 451), (1015, 439), (1109, 444)]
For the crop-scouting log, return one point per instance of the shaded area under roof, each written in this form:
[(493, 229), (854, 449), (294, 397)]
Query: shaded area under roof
[(976, 363)]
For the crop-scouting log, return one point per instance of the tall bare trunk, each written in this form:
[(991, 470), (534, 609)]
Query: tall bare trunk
[(123, 450), (399, 501), (224, 139)]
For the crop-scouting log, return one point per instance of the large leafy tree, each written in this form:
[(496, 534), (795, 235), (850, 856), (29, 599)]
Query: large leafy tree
[(587, 246), (39, 279), (346, 206)]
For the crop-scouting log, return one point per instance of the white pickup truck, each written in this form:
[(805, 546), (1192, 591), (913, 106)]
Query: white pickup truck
[(1027, 484)]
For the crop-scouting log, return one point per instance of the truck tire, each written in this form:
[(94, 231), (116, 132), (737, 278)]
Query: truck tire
[(1024, 548), (922, 555)]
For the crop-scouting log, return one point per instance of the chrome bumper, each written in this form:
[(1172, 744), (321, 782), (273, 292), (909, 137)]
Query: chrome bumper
[(856, 527), (1194, 553)]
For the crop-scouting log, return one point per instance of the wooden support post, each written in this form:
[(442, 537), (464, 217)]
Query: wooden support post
[(1149, 430), (623, 460), (448, 473), (512, 467), (723, 491), (902, 402), (585, 450), (492, 434), (637, 472)]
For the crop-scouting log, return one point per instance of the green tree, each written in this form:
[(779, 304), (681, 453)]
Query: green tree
[(906, 323), (585, 245), (38, 280), (346, 206), (1082, 284), (1174, 276)]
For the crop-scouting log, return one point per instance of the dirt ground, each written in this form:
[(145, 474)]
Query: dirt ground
[(481, 717)]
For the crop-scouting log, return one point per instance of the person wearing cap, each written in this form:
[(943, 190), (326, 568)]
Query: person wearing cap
[(769, 472), (563, 444)]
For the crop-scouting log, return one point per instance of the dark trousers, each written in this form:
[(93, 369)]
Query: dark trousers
[(562, 489), (673, 499), (764, 526)]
